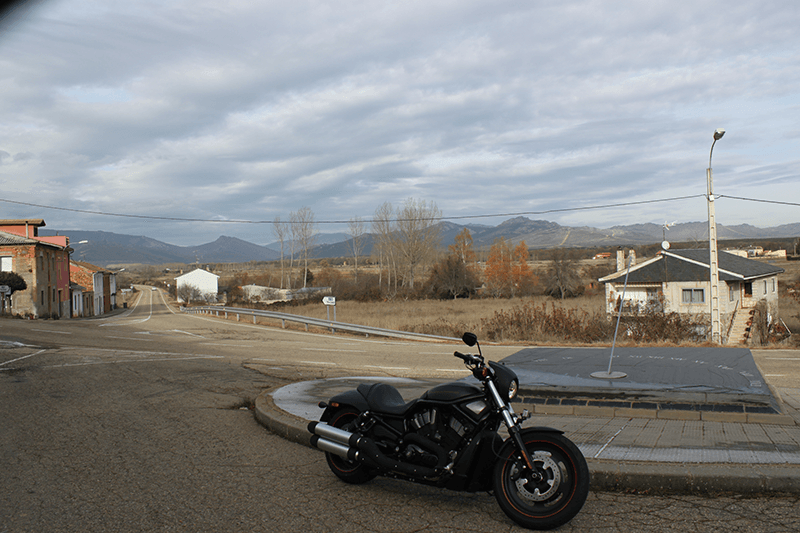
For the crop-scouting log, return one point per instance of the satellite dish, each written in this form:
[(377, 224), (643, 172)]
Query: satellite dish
[(665, 245)]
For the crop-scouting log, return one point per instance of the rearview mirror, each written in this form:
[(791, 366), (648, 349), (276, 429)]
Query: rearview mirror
[(470, 339)]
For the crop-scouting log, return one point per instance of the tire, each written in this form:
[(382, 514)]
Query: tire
[(348, 471), (556, 498)]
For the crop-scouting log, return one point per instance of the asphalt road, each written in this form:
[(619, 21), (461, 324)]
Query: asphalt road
[(139, 422)]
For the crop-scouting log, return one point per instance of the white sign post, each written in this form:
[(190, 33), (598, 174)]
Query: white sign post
[(329, 302)]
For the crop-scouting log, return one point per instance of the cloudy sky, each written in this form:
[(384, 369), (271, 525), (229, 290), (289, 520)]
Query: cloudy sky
[(248, 110)]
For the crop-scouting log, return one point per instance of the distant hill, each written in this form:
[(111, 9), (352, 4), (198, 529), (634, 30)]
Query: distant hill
[(105, 248)]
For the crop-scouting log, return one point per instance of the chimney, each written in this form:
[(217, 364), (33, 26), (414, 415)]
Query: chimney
[(621, 263)]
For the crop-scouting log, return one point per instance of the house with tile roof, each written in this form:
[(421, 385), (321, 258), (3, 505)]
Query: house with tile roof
[(98, 286), (43, 262), (679, 281)]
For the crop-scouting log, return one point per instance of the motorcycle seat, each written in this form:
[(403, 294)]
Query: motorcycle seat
[(384, 398)]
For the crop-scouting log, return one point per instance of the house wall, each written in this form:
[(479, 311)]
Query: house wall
[(733, 295), (98, 302), (206, 282), (638, 296), (43, 269), (62, 282), (77, 303)]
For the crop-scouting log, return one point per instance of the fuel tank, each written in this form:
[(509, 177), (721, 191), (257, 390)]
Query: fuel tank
[(448, 392)]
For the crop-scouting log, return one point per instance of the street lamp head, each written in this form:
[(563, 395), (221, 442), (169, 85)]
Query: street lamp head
[(718, 134)]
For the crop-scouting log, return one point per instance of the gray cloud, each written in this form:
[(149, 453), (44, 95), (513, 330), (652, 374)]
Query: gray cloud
[(249, 111)]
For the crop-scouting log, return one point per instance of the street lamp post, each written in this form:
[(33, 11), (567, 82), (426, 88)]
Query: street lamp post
[(712, 245)]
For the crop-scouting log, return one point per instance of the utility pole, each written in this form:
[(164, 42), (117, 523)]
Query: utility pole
[(716, 323)]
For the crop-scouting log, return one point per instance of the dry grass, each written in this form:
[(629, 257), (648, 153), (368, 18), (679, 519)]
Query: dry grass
[(445, 317)]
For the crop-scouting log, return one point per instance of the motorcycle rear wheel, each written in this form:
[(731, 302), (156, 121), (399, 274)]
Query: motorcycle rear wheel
[(554, 493), (351, 472)]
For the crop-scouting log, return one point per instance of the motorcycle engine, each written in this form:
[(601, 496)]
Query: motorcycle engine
[(439, 427)]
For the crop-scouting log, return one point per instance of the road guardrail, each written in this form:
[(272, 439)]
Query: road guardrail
[(309, 321)]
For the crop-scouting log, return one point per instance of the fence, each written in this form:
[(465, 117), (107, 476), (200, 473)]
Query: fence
[(308, 321)]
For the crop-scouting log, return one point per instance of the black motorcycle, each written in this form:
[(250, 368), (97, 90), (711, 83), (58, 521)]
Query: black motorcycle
[(449, 438)]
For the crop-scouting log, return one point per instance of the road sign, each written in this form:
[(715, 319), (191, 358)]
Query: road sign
[(329, 300), (5, 289)]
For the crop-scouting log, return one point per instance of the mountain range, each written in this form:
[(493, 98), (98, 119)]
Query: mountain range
[(105, 248)]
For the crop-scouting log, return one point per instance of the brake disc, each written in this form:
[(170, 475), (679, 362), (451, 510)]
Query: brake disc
[(537, 491)]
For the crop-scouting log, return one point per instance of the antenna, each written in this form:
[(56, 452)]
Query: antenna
[(664, 242)]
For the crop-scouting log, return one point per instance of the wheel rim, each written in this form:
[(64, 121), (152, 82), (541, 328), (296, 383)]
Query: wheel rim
[(544, 484), (545, 490)]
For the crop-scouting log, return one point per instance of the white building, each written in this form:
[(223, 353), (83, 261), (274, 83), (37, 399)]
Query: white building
[(205, 282), (679, 281)]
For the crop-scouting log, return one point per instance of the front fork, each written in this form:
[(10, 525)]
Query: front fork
[(512, 424)]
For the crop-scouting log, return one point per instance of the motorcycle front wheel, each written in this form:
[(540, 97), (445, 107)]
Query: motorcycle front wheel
[(550, 495), (348, 471)]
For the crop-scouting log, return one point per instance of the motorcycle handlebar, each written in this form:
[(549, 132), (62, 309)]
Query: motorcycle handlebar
[(467, 358)]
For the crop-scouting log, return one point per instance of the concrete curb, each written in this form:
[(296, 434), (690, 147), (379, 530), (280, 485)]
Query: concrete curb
[(278, 421), (646, 478)]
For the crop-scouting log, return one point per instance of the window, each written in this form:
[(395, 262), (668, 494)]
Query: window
[(765, 286), (6, 264), (694, 296), (774, 284)]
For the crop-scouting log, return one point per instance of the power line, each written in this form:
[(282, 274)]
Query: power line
[(757, 200), (462, 217)]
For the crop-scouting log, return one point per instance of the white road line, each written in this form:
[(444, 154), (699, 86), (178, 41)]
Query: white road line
[(224, 344), (187, 333), (332, 350), (451, 370), (317, 363), (21, 358), (122, 361), (52, 331)]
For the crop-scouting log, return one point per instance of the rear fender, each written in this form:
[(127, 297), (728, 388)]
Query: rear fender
[(351, 398)]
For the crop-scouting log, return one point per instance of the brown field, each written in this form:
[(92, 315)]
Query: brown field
[(414, 315), (451, 317)]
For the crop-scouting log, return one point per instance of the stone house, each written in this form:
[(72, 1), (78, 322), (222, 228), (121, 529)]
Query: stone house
[(43, 262), (679, 281)]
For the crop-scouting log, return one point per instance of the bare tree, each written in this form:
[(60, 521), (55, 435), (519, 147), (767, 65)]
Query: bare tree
[(417, 235), (356, 229), (563, 280), (382, 228), (305, 228), (189, 293), (280, 230), (294, 227)]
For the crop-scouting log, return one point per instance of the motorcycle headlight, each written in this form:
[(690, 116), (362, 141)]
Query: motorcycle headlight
[(513, 387)]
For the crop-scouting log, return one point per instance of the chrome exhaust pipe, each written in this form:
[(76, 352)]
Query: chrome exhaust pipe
[(343, 451), (334, 434), (356, 447)]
